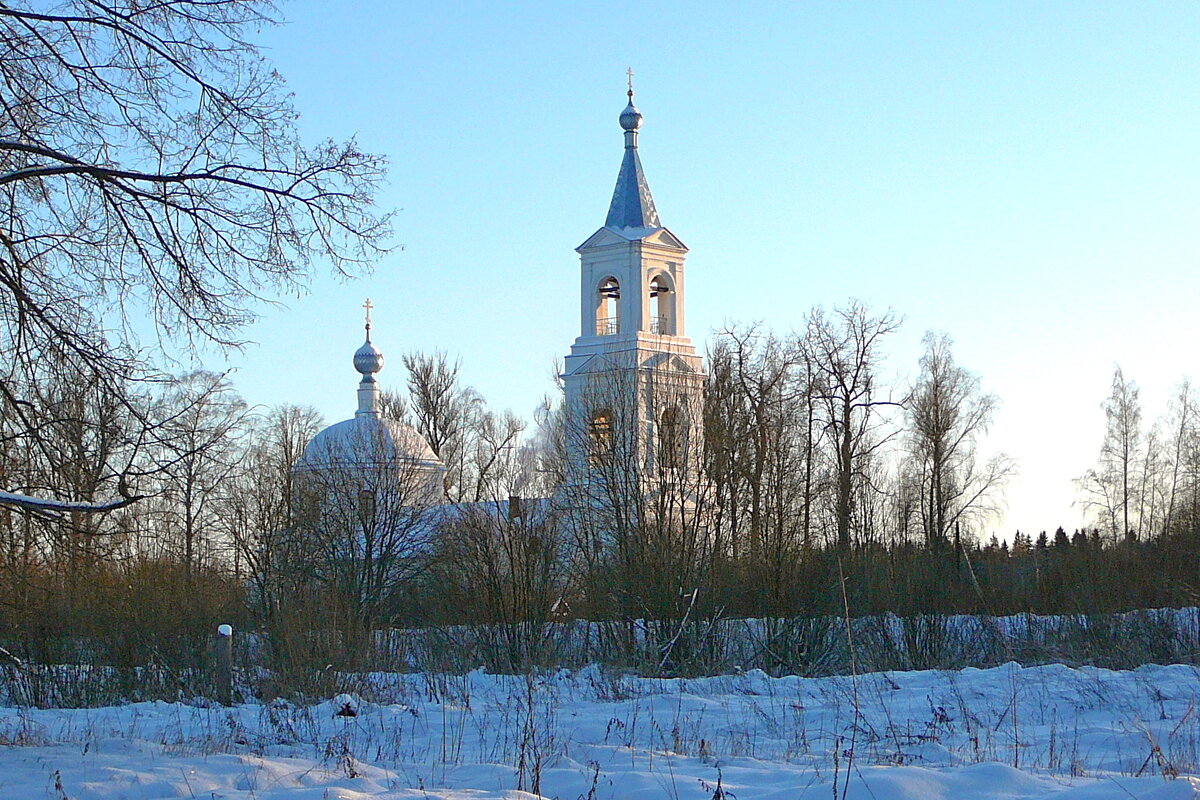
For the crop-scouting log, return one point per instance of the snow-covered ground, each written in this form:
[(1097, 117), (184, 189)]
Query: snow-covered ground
[(1008, 732)]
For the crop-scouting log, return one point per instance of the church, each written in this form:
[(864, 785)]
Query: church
[(633, 381)]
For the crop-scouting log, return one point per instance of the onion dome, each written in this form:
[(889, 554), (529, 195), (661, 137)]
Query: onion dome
[(368, 359), (631, 118)]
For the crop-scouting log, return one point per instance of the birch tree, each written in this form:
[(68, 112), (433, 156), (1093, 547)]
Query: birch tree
[(1108, 488)]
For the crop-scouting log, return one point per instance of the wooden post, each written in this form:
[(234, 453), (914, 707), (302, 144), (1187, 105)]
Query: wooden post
[(225, 664)]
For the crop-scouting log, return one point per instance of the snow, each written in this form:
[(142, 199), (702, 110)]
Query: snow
[(1007, 732), (47, 505)]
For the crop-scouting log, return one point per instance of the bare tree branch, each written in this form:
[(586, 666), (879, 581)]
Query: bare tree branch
[(151, 172)]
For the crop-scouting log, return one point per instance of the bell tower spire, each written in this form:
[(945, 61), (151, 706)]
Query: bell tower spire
[(631, 206)]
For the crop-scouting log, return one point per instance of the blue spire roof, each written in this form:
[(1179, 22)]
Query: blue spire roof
[(632, 206)]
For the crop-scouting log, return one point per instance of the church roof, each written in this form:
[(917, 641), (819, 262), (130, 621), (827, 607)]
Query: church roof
[(659, 236), (368, 441), (632, 206)]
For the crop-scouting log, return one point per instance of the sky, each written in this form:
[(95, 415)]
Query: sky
[(1021, 176)]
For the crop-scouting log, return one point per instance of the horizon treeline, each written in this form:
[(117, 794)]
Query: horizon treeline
[(808, 486)]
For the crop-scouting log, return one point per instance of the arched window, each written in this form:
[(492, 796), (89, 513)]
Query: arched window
[(672, 439), (662, 306), (600, 435), (608, 307)]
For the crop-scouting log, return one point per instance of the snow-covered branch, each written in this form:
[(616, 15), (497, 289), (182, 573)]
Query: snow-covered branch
[(54, 508)]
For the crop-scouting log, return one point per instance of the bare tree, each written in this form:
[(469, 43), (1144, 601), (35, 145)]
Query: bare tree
[(443, 410), (1109, 487), (150, 166), (196, 451), (544, 454), (364, 515), (494, 464), (947, 413), (761, 459), (1149, 488), (846, 351), (635, 500), (1184, 425), (255, 511), (752, 393), (476, 444), (502, 565), (74, 438), (393, 405), (67, 438)]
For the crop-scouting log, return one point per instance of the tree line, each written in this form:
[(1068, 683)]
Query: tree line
[(812, 487)]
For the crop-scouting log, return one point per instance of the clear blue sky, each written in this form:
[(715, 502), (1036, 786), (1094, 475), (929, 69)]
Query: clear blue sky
[(1023, 176)]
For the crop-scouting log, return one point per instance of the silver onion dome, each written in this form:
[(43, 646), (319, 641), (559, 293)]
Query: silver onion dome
[(631, 118), (368, 360)]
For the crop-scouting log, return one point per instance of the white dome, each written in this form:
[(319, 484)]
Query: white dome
[(368, 447), (368, 441)]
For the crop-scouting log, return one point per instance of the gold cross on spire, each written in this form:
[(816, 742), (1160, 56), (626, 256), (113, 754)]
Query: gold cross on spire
[(368, 306), (629, 76)]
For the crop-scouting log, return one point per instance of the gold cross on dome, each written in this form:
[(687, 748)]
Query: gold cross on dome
[(368, 306)]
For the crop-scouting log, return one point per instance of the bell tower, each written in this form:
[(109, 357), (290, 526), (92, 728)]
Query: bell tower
[(634, 383)]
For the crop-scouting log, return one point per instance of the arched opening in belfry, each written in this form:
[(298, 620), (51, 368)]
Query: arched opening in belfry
[(608, 307), (662, 306), (672, 438), (600, 435)]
